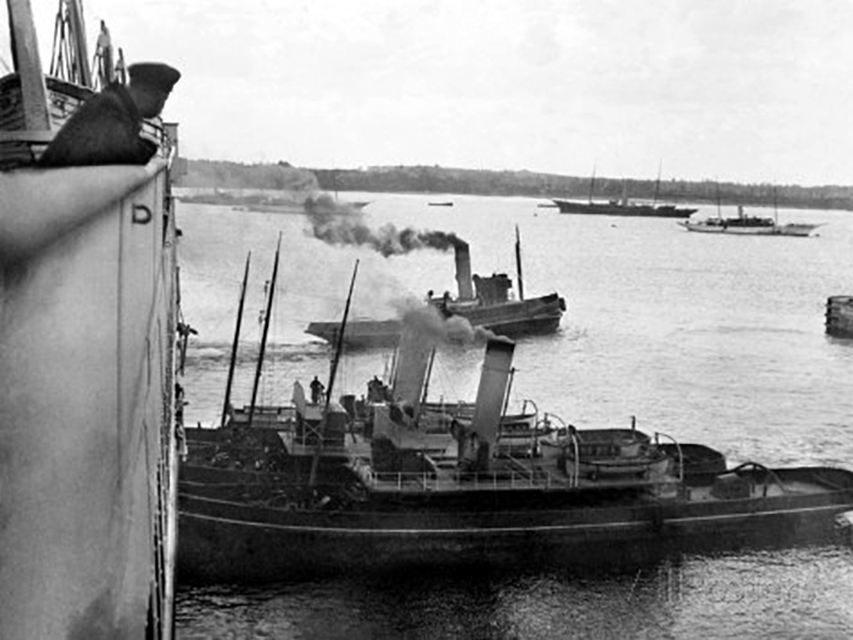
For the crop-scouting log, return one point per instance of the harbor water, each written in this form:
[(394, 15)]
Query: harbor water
[(705, 338)]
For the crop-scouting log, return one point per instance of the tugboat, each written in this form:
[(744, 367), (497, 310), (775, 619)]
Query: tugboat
[(483, 301), (88, 363), (629, 500)]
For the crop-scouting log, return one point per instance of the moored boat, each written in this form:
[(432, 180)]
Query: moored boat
[(749, 225), (616, 208), (399, 507), (88, 375), (518, 524), (624, 206)]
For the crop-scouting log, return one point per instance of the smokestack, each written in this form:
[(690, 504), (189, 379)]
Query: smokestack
[(490, 397), (463, 271), (413, 355)]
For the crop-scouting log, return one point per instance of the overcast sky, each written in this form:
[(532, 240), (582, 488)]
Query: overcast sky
[(741, 90)]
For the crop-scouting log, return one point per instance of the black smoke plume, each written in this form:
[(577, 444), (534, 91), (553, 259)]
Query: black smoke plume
[(343, 224)]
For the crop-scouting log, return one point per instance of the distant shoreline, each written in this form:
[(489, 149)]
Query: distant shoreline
[(281, 184), (284, 202)]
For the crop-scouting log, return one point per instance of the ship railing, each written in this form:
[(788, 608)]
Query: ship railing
[(568, 431), (576, 473), (658, 436), (460, 480)]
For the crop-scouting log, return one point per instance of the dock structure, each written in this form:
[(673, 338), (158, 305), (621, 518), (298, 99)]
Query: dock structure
[(839, 316)]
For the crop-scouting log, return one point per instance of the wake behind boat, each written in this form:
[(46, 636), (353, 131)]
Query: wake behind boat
[(749, 225)]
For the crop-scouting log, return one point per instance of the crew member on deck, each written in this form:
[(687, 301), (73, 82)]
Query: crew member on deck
[(317, 389), (105, 130), (443, 307), (375, 390)]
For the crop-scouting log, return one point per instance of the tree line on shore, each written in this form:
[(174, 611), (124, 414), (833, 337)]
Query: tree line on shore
[(210, 174)]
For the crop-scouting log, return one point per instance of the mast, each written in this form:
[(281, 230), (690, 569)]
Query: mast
[(27, 64), (233, 362), (425, 393), (719, 215), (75, 11), (592, 183), (775, 206), (70, 54), (265, 332), (505, 407), (657, 184), (518, 264), (338, 348)]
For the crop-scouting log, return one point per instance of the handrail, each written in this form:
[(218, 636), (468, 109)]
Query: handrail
[(429, 481), (678, 448), (576, 447), (556, 417), (768, 473)]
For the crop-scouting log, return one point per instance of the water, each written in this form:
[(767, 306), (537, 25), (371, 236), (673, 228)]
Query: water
[(708, 338)]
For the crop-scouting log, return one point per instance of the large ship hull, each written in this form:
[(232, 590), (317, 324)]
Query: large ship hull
[(617, 209), (87, 461), (224, 540)]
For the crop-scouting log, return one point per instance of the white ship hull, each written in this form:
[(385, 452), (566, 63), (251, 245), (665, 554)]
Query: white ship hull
[(793, 229), (87, 455)]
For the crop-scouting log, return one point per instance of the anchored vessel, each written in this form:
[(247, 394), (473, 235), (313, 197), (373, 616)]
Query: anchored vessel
[(88, 294), (483, 301), (605, 496), (623, 206), (749, 225), (616, 208)]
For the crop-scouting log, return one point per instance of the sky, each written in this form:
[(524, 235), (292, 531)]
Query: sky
[(731, 90)]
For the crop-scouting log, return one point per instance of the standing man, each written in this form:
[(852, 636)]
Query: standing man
[(317, 389)]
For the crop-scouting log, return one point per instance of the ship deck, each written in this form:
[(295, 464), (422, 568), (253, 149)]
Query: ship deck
[(520, 474), (509, 473), (703, 493)]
